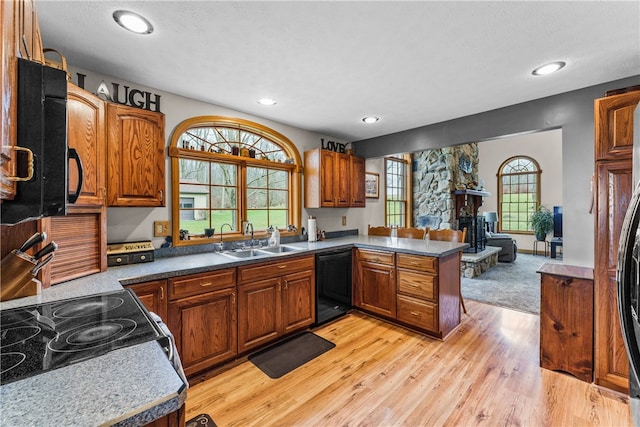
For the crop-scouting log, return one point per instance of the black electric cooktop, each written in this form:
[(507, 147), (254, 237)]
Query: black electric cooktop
[(42, 337)]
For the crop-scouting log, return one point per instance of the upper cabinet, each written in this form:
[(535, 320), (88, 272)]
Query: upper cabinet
[(614, 125), (135, 152), (20, 38), (87, 134), (333, 180)]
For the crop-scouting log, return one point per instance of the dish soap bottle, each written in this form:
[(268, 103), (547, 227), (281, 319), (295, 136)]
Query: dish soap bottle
[(274, 240)]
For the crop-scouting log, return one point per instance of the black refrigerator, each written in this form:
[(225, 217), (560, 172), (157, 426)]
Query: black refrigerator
[(628, 279)]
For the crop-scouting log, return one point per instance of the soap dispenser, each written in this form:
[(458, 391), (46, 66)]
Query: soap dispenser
[(274, 240)]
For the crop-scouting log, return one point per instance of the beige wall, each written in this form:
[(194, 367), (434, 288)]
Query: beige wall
[(545, 148)]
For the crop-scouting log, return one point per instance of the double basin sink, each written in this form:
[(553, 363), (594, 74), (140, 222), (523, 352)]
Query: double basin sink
[(259, 252)]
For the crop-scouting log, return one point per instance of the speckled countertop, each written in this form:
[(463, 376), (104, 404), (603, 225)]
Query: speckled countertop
[(135, 385)]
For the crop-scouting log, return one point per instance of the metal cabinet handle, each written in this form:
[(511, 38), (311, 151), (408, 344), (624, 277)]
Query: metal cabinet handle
[(286, 284), (414, 313), (282, 266), (233, 297), (161, 293), (161, 195), (30, 168), (206, 284)]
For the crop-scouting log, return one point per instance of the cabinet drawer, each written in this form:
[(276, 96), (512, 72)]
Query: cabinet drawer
[(274, 269), (421, 314), (378, 257), (416, 262), (184, 286), (420, 285)]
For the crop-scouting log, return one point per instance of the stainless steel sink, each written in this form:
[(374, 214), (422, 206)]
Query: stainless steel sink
[(279, 249), (244, 254)]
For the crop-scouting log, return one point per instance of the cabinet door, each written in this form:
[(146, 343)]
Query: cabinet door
[(376, 288), (9, 80), (614, 125), (298, 301), (86, 133), (204, 327), (136, 161), (328, 178), (342, 186), (153, 295), (614, 189), (259, 313), (356, 179)]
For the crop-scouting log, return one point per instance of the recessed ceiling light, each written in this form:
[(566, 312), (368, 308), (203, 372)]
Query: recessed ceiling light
[(267, 101), (548, 68), (370, 119), (133, 22)]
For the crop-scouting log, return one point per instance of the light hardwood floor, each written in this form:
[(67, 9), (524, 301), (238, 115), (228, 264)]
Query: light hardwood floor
[(486, 373)]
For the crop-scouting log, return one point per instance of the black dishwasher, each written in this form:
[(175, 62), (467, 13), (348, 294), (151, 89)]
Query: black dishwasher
[(333, 284)]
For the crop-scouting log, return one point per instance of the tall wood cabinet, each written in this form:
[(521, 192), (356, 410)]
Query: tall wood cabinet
[(614, 186), (20, 39), (333, 180), (135, 151)]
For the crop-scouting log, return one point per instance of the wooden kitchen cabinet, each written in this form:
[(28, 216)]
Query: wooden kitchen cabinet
[(87, 134), (332, 180), (136, 161), (153, 295), (82, 244), (614, 126), (20, 39), (274, 299), (566, 319), (375, 282), (420, 292), (357, 171), (203, 318), (615, 186), (417, 303)]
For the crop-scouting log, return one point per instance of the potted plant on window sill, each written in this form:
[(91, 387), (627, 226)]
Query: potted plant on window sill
[(541, 222)]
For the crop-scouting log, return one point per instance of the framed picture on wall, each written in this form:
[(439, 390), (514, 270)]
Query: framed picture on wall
[(371, 185)]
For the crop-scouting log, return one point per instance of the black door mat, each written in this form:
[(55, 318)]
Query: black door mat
[(202, 420), (284, 357)]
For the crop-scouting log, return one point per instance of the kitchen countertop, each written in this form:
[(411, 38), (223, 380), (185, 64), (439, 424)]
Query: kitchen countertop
[(138, 384)]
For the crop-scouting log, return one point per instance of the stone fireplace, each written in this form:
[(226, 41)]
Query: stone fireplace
[(437, 174)]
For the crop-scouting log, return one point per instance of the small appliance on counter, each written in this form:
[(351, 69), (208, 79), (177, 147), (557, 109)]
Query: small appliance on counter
[(18, 269), (129, 253)]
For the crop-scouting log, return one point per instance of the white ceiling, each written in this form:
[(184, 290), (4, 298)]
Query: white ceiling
[(329, 64)]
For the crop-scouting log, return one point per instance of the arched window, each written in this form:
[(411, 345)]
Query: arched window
[(228, 171), (518, 193)]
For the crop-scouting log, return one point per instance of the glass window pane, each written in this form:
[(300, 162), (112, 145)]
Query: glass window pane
[(194, 171), (278, 179), (223, 197), (278, 199), (224, 174), (220, 217), (256, 199), (256, 177)]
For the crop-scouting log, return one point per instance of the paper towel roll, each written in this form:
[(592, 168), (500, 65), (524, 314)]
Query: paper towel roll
[(313, 230)]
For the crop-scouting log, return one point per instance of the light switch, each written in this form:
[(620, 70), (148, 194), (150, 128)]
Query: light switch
[(161, 228), (344, 220)]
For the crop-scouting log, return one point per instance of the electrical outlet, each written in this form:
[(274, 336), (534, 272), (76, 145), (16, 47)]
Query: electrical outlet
[(161, 228), (344, 220)]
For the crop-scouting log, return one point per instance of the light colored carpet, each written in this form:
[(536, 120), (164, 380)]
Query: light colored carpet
[(514, 285)]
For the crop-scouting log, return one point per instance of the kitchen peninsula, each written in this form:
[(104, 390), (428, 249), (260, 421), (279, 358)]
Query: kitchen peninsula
[(129, 367)]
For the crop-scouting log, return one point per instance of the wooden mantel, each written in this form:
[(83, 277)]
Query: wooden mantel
[(471, 198)]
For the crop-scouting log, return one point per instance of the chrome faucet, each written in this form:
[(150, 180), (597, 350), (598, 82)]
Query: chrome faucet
[(221, 227), (248, 226)]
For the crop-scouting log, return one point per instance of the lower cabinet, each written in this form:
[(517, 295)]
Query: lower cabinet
[(213, 320), (375, 282), (202, 318), (421, 292), (274, 299), (153, 295)]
